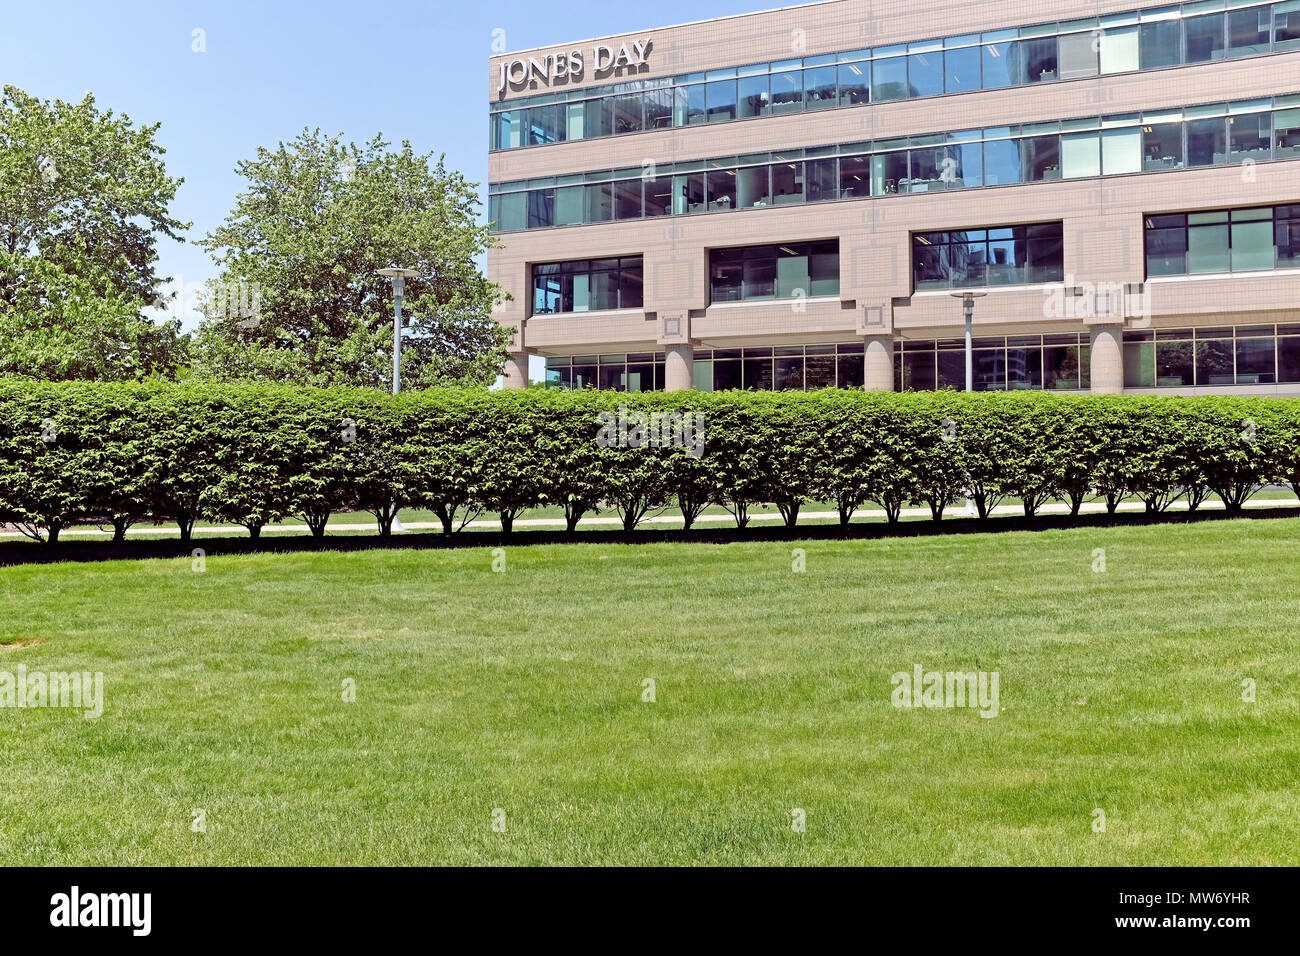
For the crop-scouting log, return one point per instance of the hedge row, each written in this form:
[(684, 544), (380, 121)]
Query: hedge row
[(250, 455)]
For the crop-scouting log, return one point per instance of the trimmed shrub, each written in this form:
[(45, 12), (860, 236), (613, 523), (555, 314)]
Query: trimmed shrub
[(118, 454)]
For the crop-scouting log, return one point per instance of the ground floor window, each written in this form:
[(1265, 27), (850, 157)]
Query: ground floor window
[(999, 363), (780, 368), (626, 372), (1182, 358)]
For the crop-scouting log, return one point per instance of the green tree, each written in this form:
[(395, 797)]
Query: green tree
[(84, 198), (318, 220)]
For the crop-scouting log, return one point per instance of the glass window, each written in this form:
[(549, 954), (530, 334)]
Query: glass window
[(918, 370), (855, 177), (1001, 64), (720, 98), (961, 69), (575, 113), (1286, 25), (1287, 123), (889, 79), (966, 168), (787, 92), (855, 83), (927, 169), (1080, 155), (1207, 245), (546, 124), (512, 211), (627, 199), (1041, 157), (1119, 50), (1248, 31), (1062, 368), (1288, 359), (1252, 243), (568, 205), (1079, 55), (755, 97), (1139, 364), (659, 196), (787, 183), (1250, 137), (722, 189), (658, 109), (598, 117), (726, 374), (925, 74), (1175, 363), (583, 285), (753, 187), (931, 263), (819, 87), (1286, 236), (1166, 245), (1162, 146), (1040, 59), (823, 179), (1044, 253), (782, 271), (1207, 142), (1024, 367), (600, 202), (1005, 257), (757, 373), (888, 174), (1001, 162), (509, 129), (541, 208), (1214, 361), (1121, 151), (628, 113), (850, 370), (689, 105), (788, 374), (1161, 44), (1255, 361), (688, 193), (1204, 38)]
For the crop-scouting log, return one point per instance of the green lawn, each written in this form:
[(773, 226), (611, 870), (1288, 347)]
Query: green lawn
[(522, 690)]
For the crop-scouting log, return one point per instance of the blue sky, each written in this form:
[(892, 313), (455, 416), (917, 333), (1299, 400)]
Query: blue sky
[(409, 69)]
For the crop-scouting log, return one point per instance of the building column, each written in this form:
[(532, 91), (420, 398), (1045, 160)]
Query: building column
[(516, 371), (679, 368), (879, 368), (1107, 358)]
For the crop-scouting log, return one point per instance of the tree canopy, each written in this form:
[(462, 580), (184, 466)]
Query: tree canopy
[(84, 197), (303, 245)]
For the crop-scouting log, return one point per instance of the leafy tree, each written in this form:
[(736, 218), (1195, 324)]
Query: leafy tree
[(83, 201), (318, 220)]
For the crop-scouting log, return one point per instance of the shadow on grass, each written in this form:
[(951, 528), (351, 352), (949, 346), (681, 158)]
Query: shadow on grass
[(32, 553)]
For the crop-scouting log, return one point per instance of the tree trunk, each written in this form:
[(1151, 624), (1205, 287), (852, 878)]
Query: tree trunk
[(187, 528), (507, 522)]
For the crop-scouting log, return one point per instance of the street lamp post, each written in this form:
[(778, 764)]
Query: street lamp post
[(968, 307), (968, 303), (398, 277)]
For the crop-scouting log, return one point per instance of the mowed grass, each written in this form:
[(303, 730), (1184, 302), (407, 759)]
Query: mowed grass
[(522, 691)]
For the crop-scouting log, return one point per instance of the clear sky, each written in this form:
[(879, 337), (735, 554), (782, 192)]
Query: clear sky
[(411, 69)]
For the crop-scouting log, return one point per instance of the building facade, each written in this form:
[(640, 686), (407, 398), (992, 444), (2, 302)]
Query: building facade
[(799, 198)]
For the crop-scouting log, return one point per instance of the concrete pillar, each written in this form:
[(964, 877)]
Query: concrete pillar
[(879, 358), (1107, 359), (516, 371), (679, 368)]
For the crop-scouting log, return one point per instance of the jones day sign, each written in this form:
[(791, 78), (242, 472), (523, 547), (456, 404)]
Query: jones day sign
[(556, 68)]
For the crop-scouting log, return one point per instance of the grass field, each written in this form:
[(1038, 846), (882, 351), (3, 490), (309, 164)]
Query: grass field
[(1121, 690)]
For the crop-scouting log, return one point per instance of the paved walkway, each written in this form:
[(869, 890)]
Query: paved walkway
[(660, 520)]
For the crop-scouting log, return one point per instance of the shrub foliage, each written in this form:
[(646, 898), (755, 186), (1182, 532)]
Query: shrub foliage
[(118, 454)]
